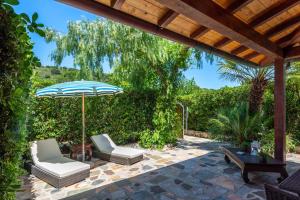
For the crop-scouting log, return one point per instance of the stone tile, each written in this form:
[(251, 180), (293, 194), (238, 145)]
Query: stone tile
[(147, 167), (179, 166), (156, 189), (109, 172), (194, 169), (158, 179), (97, 182), (223, 182), (186, 186), (142, 195), (177, 181)]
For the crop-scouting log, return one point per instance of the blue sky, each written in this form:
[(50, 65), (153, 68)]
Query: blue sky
[(56, 15)]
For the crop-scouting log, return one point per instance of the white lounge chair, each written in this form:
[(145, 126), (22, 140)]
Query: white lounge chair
[(52, 167), (109, 151)]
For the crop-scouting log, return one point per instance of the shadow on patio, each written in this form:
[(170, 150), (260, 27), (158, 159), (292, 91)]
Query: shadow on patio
[(194, 170)]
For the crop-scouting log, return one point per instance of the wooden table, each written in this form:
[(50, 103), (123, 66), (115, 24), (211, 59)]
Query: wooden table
[(248, 163), (77, 149)]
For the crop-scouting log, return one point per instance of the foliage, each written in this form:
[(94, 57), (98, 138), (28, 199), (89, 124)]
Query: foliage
[(267, 142), (140, 62), (292, 106), (236, 124), (17, 61), (257, 77), (204, 104), (122, 116)]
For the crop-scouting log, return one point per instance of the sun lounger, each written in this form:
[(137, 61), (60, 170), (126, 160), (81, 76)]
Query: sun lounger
[(52, 167), (109, 151)]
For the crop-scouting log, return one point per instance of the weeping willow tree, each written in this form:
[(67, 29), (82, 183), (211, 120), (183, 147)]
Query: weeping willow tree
[(139, 61)]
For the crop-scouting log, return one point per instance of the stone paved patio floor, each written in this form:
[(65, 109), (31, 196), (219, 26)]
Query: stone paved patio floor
[(195, 169)]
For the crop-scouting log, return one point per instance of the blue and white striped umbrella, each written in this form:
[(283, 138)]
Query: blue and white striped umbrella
[(79, 89)]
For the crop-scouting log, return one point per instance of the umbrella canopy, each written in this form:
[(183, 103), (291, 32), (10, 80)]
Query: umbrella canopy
[(79, 89)]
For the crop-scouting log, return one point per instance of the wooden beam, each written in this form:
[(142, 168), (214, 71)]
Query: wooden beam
[(221, 43), (239, 50), (292, 53), (283, 42), (289, 39), (279, 110), (282, 26), (169, 16), (211, 15), (237, 5), (273, 12), (116, 15), (117, 4), (251, 55), (232, 8), (199, 32)]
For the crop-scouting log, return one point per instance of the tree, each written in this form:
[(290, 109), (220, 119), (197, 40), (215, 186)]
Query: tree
[(17, 61), (237, 125), (139, 61), (257, 77)]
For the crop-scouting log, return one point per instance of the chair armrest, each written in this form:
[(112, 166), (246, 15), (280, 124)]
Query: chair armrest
[(275, 193)]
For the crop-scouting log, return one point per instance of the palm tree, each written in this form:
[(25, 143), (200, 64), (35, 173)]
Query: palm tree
[(257, 77), (237, 125)]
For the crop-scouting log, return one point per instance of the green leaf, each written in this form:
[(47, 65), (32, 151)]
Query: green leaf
[(30, 28), (40, 25), (25, 17), (40, 32), (34, 17), (12, 2)]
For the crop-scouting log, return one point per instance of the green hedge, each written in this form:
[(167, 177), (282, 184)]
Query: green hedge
[(204, 104), (122, 116), (292, 106)]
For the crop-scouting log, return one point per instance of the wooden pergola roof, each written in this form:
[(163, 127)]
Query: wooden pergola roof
[(252, 32)]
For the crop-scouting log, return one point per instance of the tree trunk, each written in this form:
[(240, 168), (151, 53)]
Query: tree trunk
[(256, 94)]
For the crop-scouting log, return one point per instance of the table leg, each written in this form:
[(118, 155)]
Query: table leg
[(245, 176), (283, 175), (226, 159)]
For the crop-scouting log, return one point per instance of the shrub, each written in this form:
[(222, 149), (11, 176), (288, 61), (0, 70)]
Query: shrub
[(267, 142), (204, 104), (237, 125), (121, 116), (17, 61)]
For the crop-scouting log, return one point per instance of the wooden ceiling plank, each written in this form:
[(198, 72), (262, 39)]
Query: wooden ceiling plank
[(251, 55), (237, 5), (214, 17), (273, 12), (221, 43), (290, 38), (292, 53), (199, 32), (277, 29), (167, 18), (117, 4), (282, 26), (239, 50), (121, 17)]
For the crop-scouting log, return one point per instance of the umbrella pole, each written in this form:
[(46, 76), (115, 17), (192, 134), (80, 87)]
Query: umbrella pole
[(83, 128)]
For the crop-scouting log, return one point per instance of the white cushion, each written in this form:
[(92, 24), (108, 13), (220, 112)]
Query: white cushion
[(44, 150), (127, 152), (62, 166), (106, 145), (47, 156), (103, 143)]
